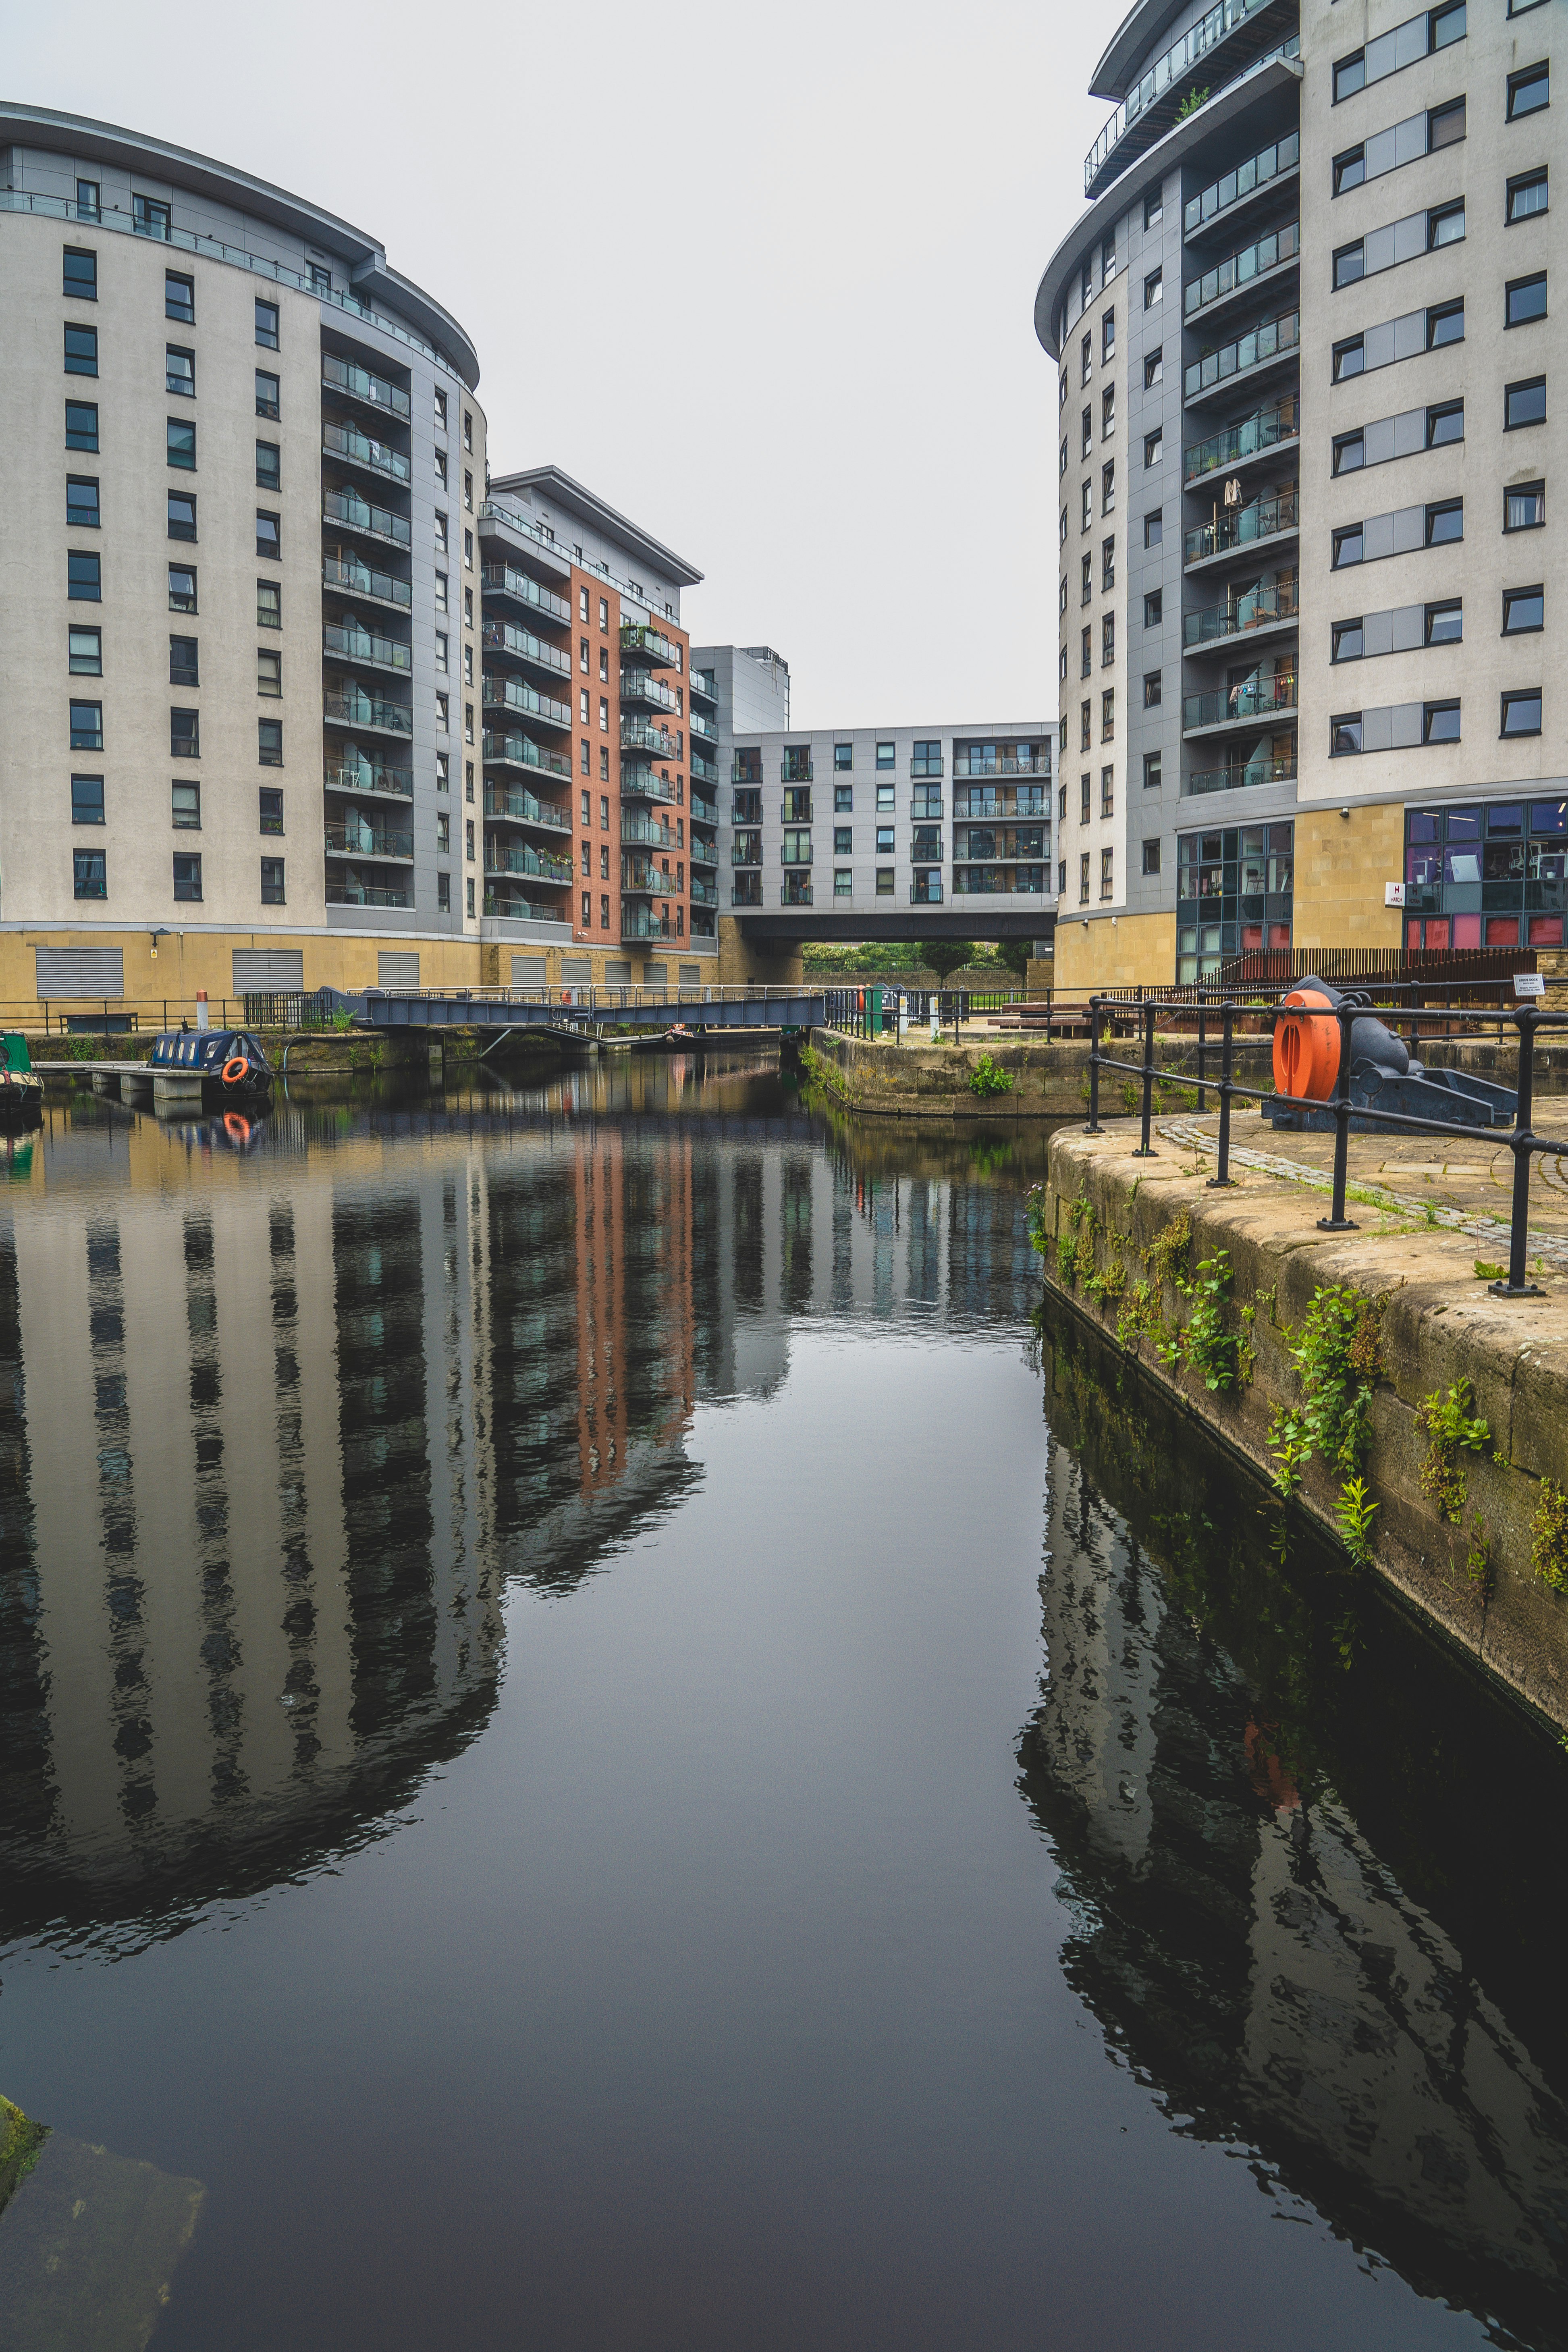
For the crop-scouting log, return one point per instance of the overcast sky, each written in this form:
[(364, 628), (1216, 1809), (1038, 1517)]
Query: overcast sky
[(764, 278)]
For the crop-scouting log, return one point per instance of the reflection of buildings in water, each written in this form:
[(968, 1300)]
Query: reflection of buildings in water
[(1254, 1960)]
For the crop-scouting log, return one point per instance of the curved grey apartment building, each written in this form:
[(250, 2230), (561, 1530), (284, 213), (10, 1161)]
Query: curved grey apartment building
[(1302, 329)]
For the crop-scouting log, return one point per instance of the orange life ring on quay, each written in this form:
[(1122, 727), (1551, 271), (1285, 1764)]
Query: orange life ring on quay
[(1306, 1047), (235, 1069)]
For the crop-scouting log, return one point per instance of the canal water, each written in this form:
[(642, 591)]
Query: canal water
[(605, 1740)]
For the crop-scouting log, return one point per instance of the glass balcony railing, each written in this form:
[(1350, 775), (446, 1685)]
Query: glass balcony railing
[(361, 645), (351, 893), (1258, 607), (1269, 163), (519, 807), (500, 579), (1003, 844), (1254, 698), (702, 688), (703, 772), (351, 775), (640, 783), (641, 686), (347, 442), (640, 874), (640, 735), (641, 643), (1253, 260), (1265, 429), (351, 840), (640, 832), (794, 769), (746, 849), (703, 852), (642, 923), (352, 578), (1001, 882), (701, 724), (703, 894), (375, 390), (501, 637), (966, 763), (1271, 340), (536, 863), (746, 890), (1267, 771), (795, 890), (1172, 79), (521, 752), (515, 905), (511, 694), (352, 708), (1000, 800), (925, 890), (347, 508), (1241, 526), (703, 811)]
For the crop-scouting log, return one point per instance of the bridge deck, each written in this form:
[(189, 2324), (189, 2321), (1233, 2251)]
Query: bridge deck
[(586, 1010)]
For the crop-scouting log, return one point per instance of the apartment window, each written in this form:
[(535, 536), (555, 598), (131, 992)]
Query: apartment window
[(1446, 225), (181, 588), (1151, 857), (1107, 413), (87, 727), (1107, 639), (1108, 715), (443, 836), (443, 772), (86, 801), (1440, 722), (468, 666), (885, 798), (82, 425), (1083, 879), (269, 604), (267, 537), (180, 445), (884, 881), (467, 429), (1107, 487), (84, 584), (1346, 641), (843, 840), (1444, 324), (1153, 206), (603, 715), (270, 674), (1524, 404), (270, 743), (1086, 432), (271, 808), (1347, 546), (444, 894), (1445, 422), (149, 217), (443, 644), (1445, 623), (1085, 789), (272, 882), (1525, 300), (268, 466), (1349, 264), (1445, 125), (1344, 734), (1086, 725), (604, 768), (1108, 336), (186, 805), (1349, 170), (267, 325), (1108, 563), (185, 662), (180, 372), (1151, 686), (1522, 713), (1524, 508), (469, 897), (1350, 453), (605, 672), (884, 841), (185, 734), (1108, 258), (179, 297), (1086, 284), (1529, 92), (81, 351), (1085, 582), (81, 276), (1062, 459), (1153, 288), (87, 876), (1445, 522), (468, 490), (843, 756), (1153, 777), (885, 755), (1107, 792), (182, 514), (843, 798), (1153, 369), (468, 839), (1527, 196), (1154, 529), (1153, 448), (1086, 509), (1153, 608), (187, 877), (84, 652), (81, 502), (926, 758), (1523, 611), (87, 200), (1086, 650), (468, 550)]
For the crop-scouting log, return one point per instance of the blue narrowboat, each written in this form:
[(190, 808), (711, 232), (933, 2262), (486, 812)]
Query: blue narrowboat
[(230, 1062)]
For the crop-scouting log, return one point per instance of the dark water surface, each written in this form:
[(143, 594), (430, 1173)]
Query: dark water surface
[(601, 1745)]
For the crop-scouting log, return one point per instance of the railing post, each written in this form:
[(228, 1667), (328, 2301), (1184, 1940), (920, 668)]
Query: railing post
[(1202, 1038), (1337, 1221), (1145, 1149), (1094, 1127), (1227, 1017), (1516, 1286)]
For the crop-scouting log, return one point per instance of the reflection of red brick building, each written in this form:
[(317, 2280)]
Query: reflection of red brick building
[(633, 1292)]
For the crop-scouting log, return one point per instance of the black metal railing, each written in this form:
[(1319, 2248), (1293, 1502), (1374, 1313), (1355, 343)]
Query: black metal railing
[(853, 1011), (1521, 1140)]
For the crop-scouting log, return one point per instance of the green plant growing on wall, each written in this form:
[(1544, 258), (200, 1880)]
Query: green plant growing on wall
[(1479, 1558), (1067, 1260), (1132, 1094), (1549, 1537), (1354, 1514), (989, 1077), (1034, 1218), (1337, 1356), (1139, 1314), (1202, 1342), (1191, 103), (1108, 1283), (1450, 1430), (1168, 1252)]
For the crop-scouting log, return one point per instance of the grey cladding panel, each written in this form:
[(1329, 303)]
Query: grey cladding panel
[(576, 970), (397, 968), (1403, 436), (1410, 335), (1400, 142), (656, 975), (80, 971), (267, 972), (528, 971), (617, 974)]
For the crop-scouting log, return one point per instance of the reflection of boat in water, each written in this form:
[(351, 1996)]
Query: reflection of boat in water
[(21, 1091), (230, 1062)]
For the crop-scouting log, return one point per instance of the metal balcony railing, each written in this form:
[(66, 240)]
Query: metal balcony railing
[(1246, 438), (351, 840), (1258, 697), (523, 752), (1258, 607), (1159, 96), (1241, 526), (1271, 339), (345, 441), (375, 390), (524, 808), (362, 580), (500, 579), (501, 637), (354, 513), (1238, 268)]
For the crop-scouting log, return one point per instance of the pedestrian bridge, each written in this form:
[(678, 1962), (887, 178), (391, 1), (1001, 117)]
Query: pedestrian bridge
[(582, 1012)]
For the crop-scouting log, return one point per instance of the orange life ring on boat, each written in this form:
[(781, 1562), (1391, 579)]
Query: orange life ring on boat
[(1306, 1047), (238, 1129), (235, 1069)]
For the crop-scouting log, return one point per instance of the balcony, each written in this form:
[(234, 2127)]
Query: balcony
[(517, 906), (640, 643), (521, 808), (369, 776), (995, 801), (701, 687), (521, 752), (347, 578), (703, 771), (1264, 605), (540, 545), (794, 769), (1238, 269), (352, 708), (704, 852), (351, 840), (1237, 779), (641, 735), (795, 890), (1252, 436), (925, 890), (642, 923), (1259, 171), (639, 784), (359, 383), (351, 448), (537, 864), (1238, 29), (966, 765), (746, 890), (500, 579), (348, 644), (519, 645), (641, 832), (1270, 518), (510, 694), (350, 512), (701, 724), (1001, 882), (703, 894), (640, 686), (1262, 346), (1001, 846), (1258, 698), (641, 875), (744, 770), (351, 893)]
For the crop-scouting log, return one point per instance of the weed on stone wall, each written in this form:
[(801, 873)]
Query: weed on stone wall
[(1449, 1431), (1549, 1537)]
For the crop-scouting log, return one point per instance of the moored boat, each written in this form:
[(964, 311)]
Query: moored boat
[(229, 1062), (21, 1088)]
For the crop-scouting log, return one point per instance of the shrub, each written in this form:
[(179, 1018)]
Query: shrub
[(988, 1077)]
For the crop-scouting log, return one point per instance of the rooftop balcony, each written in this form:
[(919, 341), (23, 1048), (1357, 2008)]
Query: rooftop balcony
[(641, 735), (641, 687), (350, 446), (518, 807), (520, 645), (369, 777), (501, 580), (516, 751), (1240, 270), (348, 577), (1211, 53), (343, 642), (1264, 605), (352, 706), (359, 383), (535, 864), (641, 875), (511, 694), (642, 831), (532, 541), (1255, 700), (642, 923), (642, 644), (1263, 771), (1249, 437), (349, 839), (350, 891), (350, 512), (1266, 345)]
